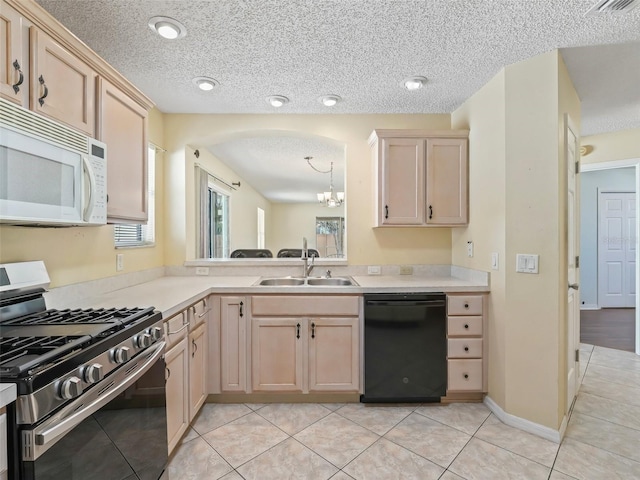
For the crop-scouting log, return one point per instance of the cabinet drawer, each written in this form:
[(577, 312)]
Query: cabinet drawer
[(198, 312), (464, 348), (464, 326), (464, 375), (464, 305), (175, 328), (305, 305)]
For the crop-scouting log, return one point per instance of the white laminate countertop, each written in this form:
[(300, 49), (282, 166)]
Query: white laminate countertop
[(172, 294), (7, 394)]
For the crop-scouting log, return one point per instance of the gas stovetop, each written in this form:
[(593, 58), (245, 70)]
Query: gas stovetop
[(36, 342)]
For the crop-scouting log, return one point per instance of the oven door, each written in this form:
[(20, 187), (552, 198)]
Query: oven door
[(117, 430)]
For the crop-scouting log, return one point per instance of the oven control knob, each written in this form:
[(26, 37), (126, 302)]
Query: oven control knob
[(71, 388), (143, 340), (121, 355), (93, 373), (155, 332)]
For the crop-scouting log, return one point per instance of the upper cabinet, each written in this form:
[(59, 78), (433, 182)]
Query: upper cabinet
[(421, 177), (45, 68), (62, 85), (122, 125), (13, 61)]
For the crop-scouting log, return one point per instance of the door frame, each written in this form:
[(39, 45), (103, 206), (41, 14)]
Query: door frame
[(631, 162)]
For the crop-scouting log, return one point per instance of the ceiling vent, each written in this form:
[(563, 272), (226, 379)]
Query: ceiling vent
[(613, 6)]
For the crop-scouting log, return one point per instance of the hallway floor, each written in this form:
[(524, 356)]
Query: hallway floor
[(458, 441)]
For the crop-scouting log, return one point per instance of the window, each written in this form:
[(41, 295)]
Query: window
[(138, 235), (213, 213), (330, 236)]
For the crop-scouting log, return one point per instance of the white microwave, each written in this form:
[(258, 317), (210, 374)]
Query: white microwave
[(50, 174)]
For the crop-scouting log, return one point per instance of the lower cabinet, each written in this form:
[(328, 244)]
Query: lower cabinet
[(296, 351), (186, 362), (233, 344), (177, 360), (197, 370)]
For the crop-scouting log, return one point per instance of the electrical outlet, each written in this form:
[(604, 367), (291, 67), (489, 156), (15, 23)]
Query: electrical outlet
[(119, 262), (202, 271), (469, 249), (373, 270), (406, 270)]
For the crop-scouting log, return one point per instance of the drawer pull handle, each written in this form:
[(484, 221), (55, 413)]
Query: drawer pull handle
[(204, 313), (466, 305), (16, 86), (46, 90), (168, 374), (430, 212), (298, 331), (313, 330), (466, 325), (195, 348), (466, 376), (241, 313), (386, 211), (466, 348), (179, 330)]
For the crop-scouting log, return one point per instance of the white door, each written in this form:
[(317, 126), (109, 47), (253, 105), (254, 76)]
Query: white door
[(573, 297), (616, 249)]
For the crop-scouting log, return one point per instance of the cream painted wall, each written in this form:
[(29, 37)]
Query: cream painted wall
[(622, 145), (484, 115), (518, 201), (292, 221), (78, 254), (244, 201), (365, 245)]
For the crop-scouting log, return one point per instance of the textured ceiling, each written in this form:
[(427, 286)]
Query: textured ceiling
[(361, 50)]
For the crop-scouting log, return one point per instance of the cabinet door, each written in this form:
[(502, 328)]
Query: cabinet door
[(197, 369), (122, 125), (334, 354), (62, 86), (446, 181), (402, 182), (177, 360), (233, 344), (276, 354), (13, 81)]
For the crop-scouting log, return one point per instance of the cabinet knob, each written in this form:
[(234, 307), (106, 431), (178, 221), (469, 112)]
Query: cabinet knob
[(466, 376), (466, 348), (466, 325), (16, 86), (466, 305), (45, 92)]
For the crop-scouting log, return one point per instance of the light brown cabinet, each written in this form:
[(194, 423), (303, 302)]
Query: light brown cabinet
[(122, 125), (421, 177), (294, 349), (197, 369), (466, 343), (233, 344), (177, 386), (62, 86), (13, 60)]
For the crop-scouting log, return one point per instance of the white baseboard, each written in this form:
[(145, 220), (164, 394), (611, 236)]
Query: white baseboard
[(526, 425), (589, 306)]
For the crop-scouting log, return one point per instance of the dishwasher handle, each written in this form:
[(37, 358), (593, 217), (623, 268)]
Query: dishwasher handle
[(406, 303)]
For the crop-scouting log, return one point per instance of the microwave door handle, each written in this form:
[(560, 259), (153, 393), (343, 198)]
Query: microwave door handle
[(58, 429), (88, 207)]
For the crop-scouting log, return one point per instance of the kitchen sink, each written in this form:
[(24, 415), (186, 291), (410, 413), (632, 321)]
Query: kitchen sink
[(286, 281), (311, 281), (334, 282)]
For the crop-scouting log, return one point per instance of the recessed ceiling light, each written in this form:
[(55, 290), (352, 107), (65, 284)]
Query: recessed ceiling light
[(167, 27), (277, 100), (329, 100), (414, 83), (205, 83)]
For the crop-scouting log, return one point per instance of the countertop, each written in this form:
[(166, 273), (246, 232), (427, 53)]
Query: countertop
[(7, 394), (173, 294)]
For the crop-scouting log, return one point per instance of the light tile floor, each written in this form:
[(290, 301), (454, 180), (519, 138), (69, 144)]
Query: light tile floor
[(458, 441)]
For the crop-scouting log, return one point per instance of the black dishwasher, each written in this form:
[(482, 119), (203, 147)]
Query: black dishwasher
[(405, 347)]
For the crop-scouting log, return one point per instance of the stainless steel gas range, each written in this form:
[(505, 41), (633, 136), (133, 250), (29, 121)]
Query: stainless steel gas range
[(91, 385)]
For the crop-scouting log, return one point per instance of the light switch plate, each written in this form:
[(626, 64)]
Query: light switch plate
[(494, 260), (119, 262), (469, 249), (527, 263)]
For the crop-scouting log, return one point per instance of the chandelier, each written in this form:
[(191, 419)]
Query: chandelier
[(331, 199)]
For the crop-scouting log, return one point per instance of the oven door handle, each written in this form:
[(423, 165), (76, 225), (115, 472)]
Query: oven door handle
[(67, 424)]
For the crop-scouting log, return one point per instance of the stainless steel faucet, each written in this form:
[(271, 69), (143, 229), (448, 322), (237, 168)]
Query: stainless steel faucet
[(305, 258)]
